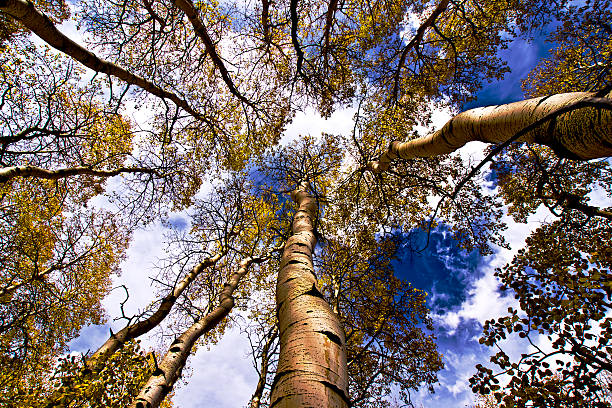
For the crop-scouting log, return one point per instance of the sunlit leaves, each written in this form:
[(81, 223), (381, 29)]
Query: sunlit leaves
[(561, 281), (385, 319), (580, 60), (56, 269), (124, 373)]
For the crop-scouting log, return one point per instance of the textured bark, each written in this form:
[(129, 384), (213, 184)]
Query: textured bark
[(575, 125), (8, 173), (312, 369), (95, 363), (169, 369), (42, 26)]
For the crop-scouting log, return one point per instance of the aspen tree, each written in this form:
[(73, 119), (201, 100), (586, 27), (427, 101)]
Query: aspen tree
[(311, 368), (169, 368), (226, 78), (574, 125)]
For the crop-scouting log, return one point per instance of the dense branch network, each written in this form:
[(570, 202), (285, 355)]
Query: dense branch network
[(62, 139), (42, 26)]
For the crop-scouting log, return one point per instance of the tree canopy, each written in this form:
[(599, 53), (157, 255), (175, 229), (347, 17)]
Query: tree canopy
[(114, 115)]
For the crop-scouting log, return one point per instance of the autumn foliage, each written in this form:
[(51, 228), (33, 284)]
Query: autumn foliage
[(118, 115)]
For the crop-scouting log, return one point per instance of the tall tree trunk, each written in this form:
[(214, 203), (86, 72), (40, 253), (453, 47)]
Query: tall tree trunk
[(575, 125), (312, 369), (169, 369)]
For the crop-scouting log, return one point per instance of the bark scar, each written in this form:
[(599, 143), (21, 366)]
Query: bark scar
[(337, 390), (315, 292), (331, 336)]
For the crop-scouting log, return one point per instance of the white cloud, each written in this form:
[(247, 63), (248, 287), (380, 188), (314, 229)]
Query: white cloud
[(145, 250), (310, 123), (484, 302), (223, 376)]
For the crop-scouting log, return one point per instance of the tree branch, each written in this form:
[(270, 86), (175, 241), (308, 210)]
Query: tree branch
[(415, 42), (198, 25), (294, 38), (329, 20), (265, 361), (25, 12), (9, 173), (96, 362), (162, 380), (265, 23)]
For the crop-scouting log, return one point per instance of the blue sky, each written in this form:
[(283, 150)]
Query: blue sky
[(442, 269), (461, 287), (448, 274), (522, 56)]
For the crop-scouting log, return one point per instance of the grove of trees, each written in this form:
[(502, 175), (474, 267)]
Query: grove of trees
[(166, 106)]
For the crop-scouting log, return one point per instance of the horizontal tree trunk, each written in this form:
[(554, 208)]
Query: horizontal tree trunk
[(575, 125)]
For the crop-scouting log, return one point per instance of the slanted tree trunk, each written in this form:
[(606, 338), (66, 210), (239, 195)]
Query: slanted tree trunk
[(312, 369), (136, 330), (25, 12), (575, 125), (96, 362), (170, 367), (192, 13)]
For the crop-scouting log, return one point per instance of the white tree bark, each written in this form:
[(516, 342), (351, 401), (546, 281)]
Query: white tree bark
[(170, 367), (96, 362), (575, 125), (312, 370)]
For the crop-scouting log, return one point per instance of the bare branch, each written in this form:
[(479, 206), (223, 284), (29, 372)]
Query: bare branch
[(42, 26), (294, 37), (162, 380), (192, 14)]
